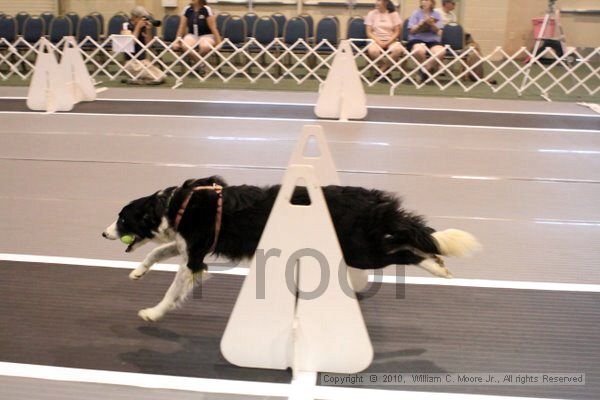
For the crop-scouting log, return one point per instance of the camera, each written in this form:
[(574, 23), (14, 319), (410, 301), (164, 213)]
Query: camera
[(155, 23)]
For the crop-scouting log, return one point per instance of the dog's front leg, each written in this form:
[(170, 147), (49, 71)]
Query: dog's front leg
[(178, 292), (157, 255)]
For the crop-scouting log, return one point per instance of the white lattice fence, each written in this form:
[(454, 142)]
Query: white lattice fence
[(573, 73)]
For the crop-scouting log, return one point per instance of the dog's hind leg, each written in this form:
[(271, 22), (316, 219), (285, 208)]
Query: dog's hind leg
[(178, 292), (157, 255)]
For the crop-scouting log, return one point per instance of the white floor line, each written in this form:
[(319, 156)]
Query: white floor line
[(242, 271), (303, 386), (222, 386), (150, 381), (484, 111), (321, 121)]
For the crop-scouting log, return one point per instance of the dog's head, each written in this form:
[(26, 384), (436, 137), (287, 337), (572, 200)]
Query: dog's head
[(144, 219)]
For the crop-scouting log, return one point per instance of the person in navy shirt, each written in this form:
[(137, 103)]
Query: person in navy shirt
[(198, 28), (425, 31)]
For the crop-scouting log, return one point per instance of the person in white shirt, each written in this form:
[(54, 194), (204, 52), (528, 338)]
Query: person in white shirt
[(447, 12), (383, 27)]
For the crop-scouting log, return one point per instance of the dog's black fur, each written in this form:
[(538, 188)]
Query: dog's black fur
[(372, 228)]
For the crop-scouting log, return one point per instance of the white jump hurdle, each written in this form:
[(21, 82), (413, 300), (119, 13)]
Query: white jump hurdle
[(48, 88), (79, 81), (58, 87), (296, 308), (342, 95), (327, 172)]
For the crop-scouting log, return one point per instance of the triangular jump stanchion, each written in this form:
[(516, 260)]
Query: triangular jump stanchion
[(327, 172), (77, 76), (48, 89), (316, 325), (342, 95)]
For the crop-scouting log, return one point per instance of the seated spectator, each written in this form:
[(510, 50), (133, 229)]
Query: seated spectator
[(383, 27), (447, 12), (140, 26), (198, 28), (425, 31)]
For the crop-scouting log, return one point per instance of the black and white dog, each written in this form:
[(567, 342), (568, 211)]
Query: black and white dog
[(205, 216)]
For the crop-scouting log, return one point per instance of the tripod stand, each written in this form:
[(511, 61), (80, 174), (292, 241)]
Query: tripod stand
[(552, 12)]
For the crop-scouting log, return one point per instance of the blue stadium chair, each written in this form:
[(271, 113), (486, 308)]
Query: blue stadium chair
[(280, 19), (310, 25), (115, 24), (295, 29), (47, 17), (74, 17), (21, 18), (8, 29), (59, 28), (221, 18), (250, 19), (235, 30), (454, 36), (405, 32), (170, 27), (100, 19), (265, 30), (327, 29), (357, 30), (89, 27), (33, 29)]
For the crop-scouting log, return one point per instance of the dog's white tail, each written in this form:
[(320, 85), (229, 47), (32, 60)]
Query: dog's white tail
[(456, 243)]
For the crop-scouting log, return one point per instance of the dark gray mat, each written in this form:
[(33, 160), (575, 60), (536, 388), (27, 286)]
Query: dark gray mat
[(85, 317), (246, 110)]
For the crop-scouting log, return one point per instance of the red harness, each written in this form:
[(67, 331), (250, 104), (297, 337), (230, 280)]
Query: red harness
[(219, 190)]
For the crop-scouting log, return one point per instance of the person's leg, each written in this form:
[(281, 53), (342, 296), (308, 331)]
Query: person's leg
[(206, 43), (373, 51), (438, 53), (189, 44), (419, 51), (135, 69), (396, 51)]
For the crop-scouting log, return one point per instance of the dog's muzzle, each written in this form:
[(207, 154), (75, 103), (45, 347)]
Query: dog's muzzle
[(111, 232)]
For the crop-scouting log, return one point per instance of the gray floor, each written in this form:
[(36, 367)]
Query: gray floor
[(86, 318), (530, 195)]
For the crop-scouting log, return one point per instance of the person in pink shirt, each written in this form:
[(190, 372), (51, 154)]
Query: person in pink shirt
[(383, 27)]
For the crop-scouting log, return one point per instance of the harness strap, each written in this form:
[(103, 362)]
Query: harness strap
[(219, 190)]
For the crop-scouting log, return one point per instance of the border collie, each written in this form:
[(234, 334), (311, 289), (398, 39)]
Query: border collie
[(205, 216)]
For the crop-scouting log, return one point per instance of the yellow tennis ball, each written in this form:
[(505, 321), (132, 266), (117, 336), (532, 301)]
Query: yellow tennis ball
[(127, 239)]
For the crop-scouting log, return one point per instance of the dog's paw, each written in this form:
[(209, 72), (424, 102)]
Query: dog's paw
[(435, 268), (137, 273), (151, 314)]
